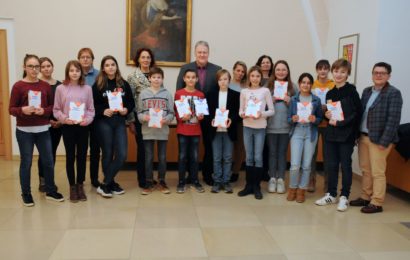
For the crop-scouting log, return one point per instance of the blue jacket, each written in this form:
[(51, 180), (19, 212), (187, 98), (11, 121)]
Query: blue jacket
[(316, 111)]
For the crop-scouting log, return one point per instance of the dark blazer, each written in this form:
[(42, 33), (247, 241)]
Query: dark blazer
[(232, 104), (210, 80), (383, 117)]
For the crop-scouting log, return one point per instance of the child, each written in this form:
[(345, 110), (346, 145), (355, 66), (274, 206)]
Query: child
[(189, 131), (158, 98), (341, 135), (32, 127), (254, 129), (303, 137), (223, 137), (73, 91), (324, 84)]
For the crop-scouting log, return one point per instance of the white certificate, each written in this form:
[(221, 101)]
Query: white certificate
[(252, 108), (336, 109), (221, 118), (34, 98), (201, 107), (115, 101), (281, 89), (183, 107), (76, 112), (321, 93), (155, 117), (304, 110)]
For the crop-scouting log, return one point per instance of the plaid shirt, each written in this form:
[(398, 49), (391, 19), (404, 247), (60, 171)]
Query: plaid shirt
[(383, 117)]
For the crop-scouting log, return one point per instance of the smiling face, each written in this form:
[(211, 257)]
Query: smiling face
[(201, 55), (281, 71), (340, 75), (190, 79), (255, 78), (110, 68), (145, 60), (239, 73), (305, 86), (380, 76), (46, 69), (323, 73), (32, 68), (266, 65)]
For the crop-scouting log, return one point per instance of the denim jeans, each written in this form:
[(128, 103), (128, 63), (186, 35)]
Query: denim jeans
[(140, 152), (149, 158), (113, 140), (95, 149), (42, 141), (188, 153), (321, 131), (302, 150), (254, 139), (339, 154), (222, 147), (278, 148), (55, 134)]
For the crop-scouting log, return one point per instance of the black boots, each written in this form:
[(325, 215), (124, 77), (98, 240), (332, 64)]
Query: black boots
[(253, 180), (258, 173), (248, 186)]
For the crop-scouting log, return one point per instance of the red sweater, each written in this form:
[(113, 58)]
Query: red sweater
[(192, 126), (19, 99)]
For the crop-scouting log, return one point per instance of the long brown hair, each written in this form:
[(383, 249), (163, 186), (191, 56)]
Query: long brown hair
[(77, 65), (271, 81), (26, 58), (102, 78), (252, 69), (245, 68)]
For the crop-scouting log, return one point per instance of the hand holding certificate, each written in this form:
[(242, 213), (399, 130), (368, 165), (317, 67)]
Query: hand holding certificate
[(221, 118), (304, 110), (201, 107), (321, 93), (336, 109), (183, 108), (253, 108), (34, 98), (76, 112), (280, 90), (155, 118), (115, 101)]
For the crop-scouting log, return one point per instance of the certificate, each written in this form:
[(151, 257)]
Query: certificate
[(34, 98), (252, 108), (304, 110), (321, 93), (201, 107), (221, 118), (183, 107), (336, 109), (155, 117), (115, 101), (76, 111), (281, 89)]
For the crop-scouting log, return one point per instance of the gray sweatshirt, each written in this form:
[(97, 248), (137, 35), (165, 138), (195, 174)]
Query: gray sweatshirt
[(161, 100)]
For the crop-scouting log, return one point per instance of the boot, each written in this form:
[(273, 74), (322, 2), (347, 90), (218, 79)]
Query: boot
[(248, 186), (80, 192), (258, 176), (291, 194), (73, 194), (312, 183), (234, 177), (300, 195)]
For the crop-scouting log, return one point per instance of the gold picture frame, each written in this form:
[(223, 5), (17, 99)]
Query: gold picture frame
[(164, 26), (348, 50)]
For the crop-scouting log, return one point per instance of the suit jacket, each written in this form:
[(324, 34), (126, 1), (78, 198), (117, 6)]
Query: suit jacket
[(210, 80), (383, 117), (232, 104)]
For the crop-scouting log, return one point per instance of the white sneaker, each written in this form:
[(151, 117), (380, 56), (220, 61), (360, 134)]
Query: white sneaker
[(326, 200), (343, 203), (272, 185), (280, 186)]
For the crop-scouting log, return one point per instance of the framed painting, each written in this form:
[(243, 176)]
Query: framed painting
[(348, 50), (164, 26)]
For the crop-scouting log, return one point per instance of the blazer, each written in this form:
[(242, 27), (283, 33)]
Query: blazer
[(232, 104)]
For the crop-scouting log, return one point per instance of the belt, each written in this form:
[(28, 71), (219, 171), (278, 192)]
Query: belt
[(363, 133)]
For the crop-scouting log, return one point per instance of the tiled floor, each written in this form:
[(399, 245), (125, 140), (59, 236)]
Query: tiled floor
[(192, 225)]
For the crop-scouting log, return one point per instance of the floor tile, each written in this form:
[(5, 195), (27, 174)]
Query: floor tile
[(166, 217), (227, 216)]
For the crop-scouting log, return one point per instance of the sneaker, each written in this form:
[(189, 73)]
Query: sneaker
[(359, 202), (216, 187), (162, 186), (227, 187), (95, 183), (326, 200), (146, 190), (104, 191), (343, 203), (280, 186), (272, 185), (27, 200), (371, 208), (181, 188), (54, 196), (116, 189), (198, 187)]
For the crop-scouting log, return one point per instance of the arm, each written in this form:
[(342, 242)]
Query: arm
[(318, 113), (242, 103), (58, 109), (131, 82), (98, 101), (128, 98), (291, 111), (140, 110), (90, 111), (393, 118), (269, 103), (356, 111), (48, 110), (15, 107), (170, 106)]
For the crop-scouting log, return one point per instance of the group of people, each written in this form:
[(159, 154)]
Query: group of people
[(263, 111)]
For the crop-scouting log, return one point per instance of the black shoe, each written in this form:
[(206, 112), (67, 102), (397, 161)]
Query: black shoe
[(104, 191), (246, 191), (54, 196), (216, 187), (234, 177), (42, 188), (96, 184), (181, 187), (227, 187), (198, 187), (116, 188), (359, 202), (27, 200), (209, 182), (258, 193), (369, 209)]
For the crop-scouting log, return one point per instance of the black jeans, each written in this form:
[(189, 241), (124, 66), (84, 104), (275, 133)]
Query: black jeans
[(207, 161), (188, 153), (75, 138), (140, 153), (339, 154), (55, 134), (149, 158), (95, 149)]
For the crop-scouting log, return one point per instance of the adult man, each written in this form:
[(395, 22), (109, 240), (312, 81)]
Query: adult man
[(207, 82), (382, 105), (86, 57)]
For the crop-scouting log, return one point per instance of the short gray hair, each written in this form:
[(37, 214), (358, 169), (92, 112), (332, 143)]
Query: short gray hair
[(203, 43)]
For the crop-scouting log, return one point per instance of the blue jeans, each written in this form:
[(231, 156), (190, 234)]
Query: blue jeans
[(149, 158), (222, 147), (42, 141), (188, 152), (302, 150), (140, 152), (278, 148), (113, 141), (254, 139), (321, 132), (339, 154)]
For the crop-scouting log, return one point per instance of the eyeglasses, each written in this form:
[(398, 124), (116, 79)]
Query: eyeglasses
[(379, 73), (85, 58), (33, 67)]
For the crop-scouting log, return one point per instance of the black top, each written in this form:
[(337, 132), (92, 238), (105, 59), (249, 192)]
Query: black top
[(53, 90)]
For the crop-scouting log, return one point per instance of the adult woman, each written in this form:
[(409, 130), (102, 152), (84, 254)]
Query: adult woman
[(266, 64), (138, 80)]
